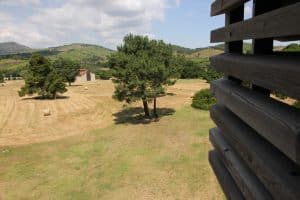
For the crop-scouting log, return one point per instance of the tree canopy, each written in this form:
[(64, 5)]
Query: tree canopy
[(142, 68), (68, 69), (41, 78), (200, 69), (1, 77)]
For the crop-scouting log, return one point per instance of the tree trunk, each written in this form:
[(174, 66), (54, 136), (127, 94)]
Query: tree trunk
[(146, 108), (154, 108), (54, 95), (70, 83)]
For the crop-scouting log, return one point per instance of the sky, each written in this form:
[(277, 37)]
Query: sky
[(47, 23)]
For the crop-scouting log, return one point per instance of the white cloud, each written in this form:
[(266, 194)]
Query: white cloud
[(5, 17), (19, 2), (108, 20)]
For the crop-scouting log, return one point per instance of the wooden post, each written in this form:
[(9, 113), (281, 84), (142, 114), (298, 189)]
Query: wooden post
[(237, 46), (263, 46), (257, 141), (230, 18)]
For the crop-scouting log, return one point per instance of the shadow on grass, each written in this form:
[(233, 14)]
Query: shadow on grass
[(74, 85), (44, 98), (136, 115), (170, 94)]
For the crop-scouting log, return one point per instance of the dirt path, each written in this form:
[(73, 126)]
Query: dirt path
[(22, 121)]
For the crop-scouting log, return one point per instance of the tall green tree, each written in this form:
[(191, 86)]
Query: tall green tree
[(162, 70), (67, 68), (55, 83), (142, 68), (1, 77), (40, 78)]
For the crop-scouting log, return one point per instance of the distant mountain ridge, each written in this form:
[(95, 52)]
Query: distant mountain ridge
[(9, 48), (13, 48)]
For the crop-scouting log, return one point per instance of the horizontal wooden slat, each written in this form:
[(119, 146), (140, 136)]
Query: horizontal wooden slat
[(277, 73), (275, 121), (279, 174), (221, 6), (280, 23), (227, 183), (247, 182)]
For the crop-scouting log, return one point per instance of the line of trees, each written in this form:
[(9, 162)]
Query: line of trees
[(142, 68), (12, 73), (47, 79), (190, 69)]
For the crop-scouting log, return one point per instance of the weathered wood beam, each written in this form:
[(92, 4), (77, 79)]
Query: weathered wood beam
[(221, 6), (231, 17), (277, 73), (273, 120), (278, 173), (228, 185), (263, 46), (247, 182), (277, 24)]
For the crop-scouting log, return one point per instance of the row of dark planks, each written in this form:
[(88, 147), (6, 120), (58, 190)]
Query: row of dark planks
[(257, 140)]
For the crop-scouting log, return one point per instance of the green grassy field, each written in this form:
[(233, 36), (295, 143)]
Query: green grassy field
[(160, 160)]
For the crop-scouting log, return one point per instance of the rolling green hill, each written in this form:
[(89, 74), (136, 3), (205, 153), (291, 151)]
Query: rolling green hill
[(81, 51), (182, 50), (189, 51), (204, 54), (12, 48), (92, 57), (292, 48), (199, 54)]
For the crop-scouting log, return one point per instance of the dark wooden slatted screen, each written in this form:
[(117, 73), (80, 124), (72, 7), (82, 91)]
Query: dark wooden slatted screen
[(257, 139)]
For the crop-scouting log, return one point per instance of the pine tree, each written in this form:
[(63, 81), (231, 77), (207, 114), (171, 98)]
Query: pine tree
[(40, 78), (1, 77), (142, 69), (67, 69)]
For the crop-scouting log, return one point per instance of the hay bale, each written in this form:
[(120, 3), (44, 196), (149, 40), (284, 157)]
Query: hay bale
[(46, 112)]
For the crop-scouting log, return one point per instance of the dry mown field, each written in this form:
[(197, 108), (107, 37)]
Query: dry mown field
[(22, 120), (90, 149)]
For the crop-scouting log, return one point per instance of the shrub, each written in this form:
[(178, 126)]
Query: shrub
[(280, 95), (297, 104), (104, 74), (203, 100), (210, 74)]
